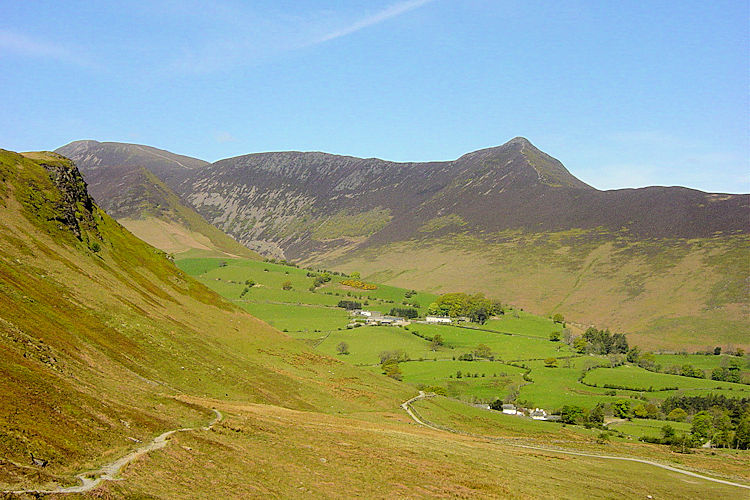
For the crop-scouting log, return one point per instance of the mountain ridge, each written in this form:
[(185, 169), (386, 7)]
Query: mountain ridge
[(547, 241)]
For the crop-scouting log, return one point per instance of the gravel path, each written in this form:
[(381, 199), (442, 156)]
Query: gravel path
[(109, 472)]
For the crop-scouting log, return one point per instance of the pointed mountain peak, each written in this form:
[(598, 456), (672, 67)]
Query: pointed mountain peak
[(528, 161)]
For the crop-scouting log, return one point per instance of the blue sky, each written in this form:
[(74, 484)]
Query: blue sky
[(625, 94)]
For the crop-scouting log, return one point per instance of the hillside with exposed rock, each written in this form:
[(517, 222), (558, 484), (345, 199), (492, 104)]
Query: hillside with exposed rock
[(130, 181), (668, 264)]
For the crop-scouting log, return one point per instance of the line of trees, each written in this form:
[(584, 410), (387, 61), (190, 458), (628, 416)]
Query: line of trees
[(404, 312), (350, 304)]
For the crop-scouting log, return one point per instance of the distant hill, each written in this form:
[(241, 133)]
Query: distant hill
[(129, 182), (667, 264)]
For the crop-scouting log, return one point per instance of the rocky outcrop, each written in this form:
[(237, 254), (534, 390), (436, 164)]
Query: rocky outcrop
[(75, 207)]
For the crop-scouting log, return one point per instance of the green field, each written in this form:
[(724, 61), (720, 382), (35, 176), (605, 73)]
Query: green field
[(704, 362), (524, 324), (300, 321), (480, 380), (517, 337), (636, 378), (505, 347), (651, 428), (553, 388), (367, 342)]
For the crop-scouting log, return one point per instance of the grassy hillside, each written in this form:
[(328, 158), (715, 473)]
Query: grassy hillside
[(106, 344), (164, 221), (99, 332)]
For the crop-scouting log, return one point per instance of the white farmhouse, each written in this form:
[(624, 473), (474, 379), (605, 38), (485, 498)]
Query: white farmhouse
[(438, 319), (509, 409)]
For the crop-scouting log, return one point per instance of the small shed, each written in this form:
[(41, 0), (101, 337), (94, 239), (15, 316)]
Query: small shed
[(539, 414)]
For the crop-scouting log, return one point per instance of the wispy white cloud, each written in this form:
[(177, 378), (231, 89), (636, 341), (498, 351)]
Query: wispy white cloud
[(15, 43), (384, 15), (253, 38), (223, 137)]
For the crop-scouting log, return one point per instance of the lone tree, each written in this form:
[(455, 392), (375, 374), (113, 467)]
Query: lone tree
[(343, 348), (483, 351), (287, 285), (436, 342), (550, 362), (558, 318)]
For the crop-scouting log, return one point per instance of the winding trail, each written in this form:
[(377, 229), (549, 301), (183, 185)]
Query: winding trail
[(109, 472), (406, 405)]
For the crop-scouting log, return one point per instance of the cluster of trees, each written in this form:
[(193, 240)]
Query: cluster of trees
[(715, 426), (319, 279), (283, 262), (732, 373), (596, 341), (389, 361), (694, 404), (572, 414), (404, 312), (482, 351), (350, 304), (686, 370), (436, 342), (476, 307), (722, 420)]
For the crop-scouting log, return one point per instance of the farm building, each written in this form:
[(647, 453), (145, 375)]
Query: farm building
[(437, 319), (539, 414), (509, 409), (386, 320)]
